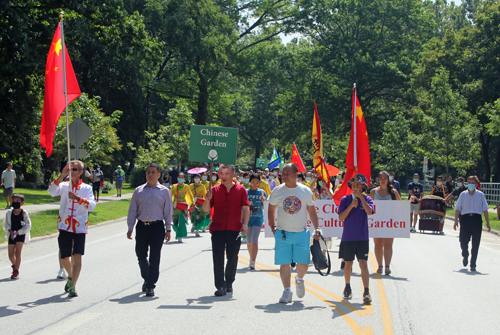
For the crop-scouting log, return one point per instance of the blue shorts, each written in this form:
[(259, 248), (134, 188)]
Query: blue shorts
[(291, 247)]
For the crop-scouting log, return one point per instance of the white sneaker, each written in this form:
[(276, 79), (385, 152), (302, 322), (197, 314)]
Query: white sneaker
[(179, 240), (197, 233), (286, 297), (62, 274), (300, 288), (203, 230), (252, 265)]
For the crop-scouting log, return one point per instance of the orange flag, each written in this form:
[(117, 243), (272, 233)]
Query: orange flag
[(358, 153), (54, 101), (317, 140), (297, 160)]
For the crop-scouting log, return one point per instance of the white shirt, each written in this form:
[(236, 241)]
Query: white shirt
[(292, 206), (73, 215), (25, 230), (8, 178), (471, 203)]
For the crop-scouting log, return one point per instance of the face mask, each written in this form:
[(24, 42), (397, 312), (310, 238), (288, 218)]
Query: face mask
[(197, 180), (275, 173), (471, 186), (391, 178), (415, 180), (246, 180), (180, 180), (98, 169), (439, 183), (320, 183), (308, 178), (16, 205), (297, 180), (214, 178), (204, 177), (459, 184)]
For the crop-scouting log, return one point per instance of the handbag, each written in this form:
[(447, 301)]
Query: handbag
[(320, 261)]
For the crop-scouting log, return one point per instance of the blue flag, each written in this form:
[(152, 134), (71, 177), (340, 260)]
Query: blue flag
[(274, 156), (275, 163)]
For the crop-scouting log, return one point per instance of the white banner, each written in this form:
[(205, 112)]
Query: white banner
[(390, 219)]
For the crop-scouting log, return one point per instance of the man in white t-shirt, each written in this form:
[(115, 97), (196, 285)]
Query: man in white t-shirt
[(293, 201)]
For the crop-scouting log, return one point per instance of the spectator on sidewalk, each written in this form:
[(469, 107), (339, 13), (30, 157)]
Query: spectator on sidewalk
[(8, 182), (119, 175), (96, 177), (394, 182)]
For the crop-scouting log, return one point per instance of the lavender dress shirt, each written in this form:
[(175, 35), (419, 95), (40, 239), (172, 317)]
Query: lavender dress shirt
[(150, 203)]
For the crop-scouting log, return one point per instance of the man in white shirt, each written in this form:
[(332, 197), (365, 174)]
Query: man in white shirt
[(8, 183), (293, 201), (469, 207)]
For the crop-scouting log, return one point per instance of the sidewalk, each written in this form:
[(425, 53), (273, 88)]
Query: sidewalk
[(55, 205)]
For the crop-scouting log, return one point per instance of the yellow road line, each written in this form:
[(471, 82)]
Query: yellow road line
[(354, 326), (384, 303)]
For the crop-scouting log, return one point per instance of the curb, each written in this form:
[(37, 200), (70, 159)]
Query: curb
[(495, 232), (45, 237)]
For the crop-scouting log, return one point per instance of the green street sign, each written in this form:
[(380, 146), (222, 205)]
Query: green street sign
[(213, 144), (261, 162), (281, 166)]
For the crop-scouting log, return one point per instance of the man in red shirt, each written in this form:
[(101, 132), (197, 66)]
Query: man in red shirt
[(228, 199)]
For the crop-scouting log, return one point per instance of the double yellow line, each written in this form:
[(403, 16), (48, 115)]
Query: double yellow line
[(367, 309)]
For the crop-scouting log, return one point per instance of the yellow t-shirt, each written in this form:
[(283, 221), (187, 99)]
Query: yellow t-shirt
[(198, 191), (264, 185), (246, 186), (206, 183), (182, 193)]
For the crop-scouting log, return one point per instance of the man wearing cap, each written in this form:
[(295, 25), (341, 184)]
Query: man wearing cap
[(118, 175), (151, 206), (469, 207)]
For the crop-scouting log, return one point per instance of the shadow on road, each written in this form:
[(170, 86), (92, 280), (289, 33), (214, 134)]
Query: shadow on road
[(387, 277), (183, 307), (471, 273), (6, 279), (47, 281), (278, 307), (55, 299), (5, 311), (136, 297), (210, 299)]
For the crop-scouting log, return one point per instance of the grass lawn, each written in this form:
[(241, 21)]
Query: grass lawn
[(45, 222), (37, 196)]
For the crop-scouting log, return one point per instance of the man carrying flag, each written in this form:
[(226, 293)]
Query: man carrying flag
[(358, 153)]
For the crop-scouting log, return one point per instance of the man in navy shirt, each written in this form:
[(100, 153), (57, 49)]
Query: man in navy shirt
[(394, 182), (415, 194)]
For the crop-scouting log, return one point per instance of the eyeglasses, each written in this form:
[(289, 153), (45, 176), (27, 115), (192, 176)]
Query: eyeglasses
[(75, 169)]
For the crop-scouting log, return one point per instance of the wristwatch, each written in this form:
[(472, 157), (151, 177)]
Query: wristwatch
[(168, 231)]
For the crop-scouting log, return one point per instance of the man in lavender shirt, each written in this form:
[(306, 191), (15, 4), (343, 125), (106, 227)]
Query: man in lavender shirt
[(151, 206)]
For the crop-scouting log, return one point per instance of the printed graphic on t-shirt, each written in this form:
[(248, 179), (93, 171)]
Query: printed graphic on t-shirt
[(292, 205)]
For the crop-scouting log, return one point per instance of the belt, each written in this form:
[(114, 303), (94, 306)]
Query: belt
[(471, 214), (151, 222)]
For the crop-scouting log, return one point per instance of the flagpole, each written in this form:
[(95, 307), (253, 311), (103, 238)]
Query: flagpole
[(354, 110), (65, 90)]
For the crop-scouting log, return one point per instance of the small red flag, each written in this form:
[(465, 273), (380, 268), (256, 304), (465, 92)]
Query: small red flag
[(362, 151), (297, 160), (54, 102)]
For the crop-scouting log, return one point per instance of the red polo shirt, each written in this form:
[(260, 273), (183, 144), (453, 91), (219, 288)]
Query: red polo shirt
[(227, 207)]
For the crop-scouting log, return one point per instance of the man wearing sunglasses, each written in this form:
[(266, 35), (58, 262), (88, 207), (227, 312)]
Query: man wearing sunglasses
[(75, 205)]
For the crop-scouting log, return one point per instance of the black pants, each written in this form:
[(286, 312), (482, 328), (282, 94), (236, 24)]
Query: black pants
[(470, 226), (149, 237), (225, 240)]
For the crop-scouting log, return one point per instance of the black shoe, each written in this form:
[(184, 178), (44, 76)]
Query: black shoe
[(220, 292), (150, 292), (473, 269), (144, 288), (465, 261), (229, 289)]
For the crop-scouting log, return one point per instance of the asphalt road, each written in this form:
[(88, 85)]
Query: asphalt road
[(429, 292)]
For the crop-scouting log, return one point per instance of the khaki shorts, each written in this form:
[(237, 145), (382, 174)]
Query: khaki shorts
[(415, 208)]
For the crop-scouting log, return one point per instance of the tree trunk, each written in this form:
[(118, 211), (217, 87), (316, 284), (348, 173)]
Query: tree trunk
[(257, 152), (485, 145), (201, 116)]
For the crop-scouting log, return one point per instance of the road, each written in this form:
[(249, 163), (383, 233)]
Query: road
[(429, 292)]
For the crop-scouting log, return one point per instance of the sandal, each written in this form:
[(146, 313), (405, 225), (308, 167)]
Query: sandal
[(380, 269), (387, 270)]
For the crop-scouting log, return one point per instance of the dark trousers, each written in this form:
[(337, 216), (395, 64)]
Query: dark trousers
[(470, 226), (149, 237), (225, 240)]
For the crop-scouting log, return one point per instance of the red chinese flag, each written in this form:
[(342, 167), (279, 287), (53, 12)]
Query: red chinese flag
[(297, 160), (54, 102), (362, 151)]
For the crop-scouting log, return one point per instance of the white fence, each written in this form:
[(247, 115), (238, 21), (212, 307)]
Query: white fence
[(491, 192)]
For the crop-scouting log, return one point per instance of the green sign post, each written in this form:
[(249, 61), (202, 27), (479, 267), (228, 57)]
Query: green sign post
[(213, 144), (261, 163)]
